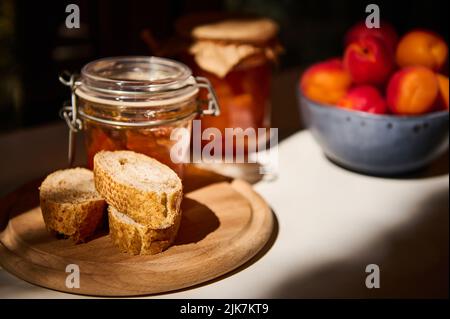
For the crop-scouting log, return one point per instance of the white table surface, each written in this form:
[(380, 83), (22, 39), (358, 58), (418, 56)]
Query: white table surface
[(332, 223)]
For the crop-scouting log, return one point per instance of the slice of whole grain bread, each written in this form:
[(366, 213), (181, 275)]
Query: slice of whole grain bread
[(140, 187), (138, 239), (70, 203)]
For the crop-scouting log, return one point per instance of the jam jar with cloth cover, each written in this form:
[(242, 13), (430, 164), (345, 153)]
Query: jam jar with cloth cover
[(237, 55)]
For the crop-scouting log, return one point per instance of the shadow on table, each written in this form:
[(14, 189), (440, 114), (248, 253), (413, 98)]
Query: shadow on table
[(438, 167), (413, 261)]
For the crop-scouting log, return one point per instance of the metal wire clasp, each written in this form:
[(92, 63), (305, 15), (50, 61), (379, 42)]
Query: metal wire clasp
[(70, 112), (213, 104)]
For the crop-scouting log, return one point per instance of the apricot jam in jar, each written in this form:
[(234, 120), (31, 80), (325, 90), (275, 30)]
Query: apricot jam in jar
[(135, 103), (237, 55)]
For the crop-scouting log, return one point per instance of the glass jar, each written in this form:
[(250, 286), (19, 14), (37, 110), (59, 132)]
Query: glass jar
[(237, 55), (244, 95), (135, 103)]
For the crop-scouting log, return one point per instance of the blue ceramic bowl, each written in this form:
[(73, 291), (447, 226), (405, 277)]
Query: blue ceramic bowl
[(376, 144)]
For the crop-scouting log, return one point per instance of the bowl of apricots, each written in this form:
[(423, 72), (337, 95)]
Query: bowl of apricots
[(383, 107)]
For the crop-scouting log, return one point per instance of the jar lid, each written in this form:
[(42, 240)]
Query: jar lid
[(137, 81), (221, 42), (260, 30)]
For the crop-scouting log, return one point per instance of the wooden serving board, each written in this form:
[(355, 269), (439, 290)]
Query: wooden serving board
[(224, 225)]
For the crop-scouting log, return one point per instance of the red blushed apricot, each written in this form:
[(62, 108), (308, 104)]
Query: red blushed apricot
[(443, 91), (369, 61), (326, 82), (364, 98), (424, 48), (386, 33), (412, 91)]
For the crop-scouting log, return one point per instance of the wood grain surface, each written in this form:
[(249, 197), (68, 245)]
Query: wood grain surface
[(225, 223)]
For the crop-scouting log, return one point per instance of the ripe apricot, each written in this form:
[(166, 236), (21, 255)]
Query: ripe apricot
[(364, 98), (422, 47), (369, 61), (412, 91), (325, 82)]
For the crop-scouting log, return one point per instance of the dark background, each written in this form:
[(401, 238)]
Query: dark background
[(35, 45)]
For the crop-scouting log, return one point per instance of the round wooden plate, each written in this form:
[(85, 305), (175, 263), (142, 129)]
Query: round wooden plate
[(224, 225)]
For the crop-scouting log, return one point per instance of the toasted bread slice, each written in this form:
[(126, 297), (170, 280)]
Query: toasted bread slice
[(147, 191), (70, 204), (138, 239)]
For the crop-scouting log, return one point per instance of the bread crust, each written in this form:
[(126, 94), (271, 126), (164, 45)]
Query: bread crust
[(140, 239), (76, 220)]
